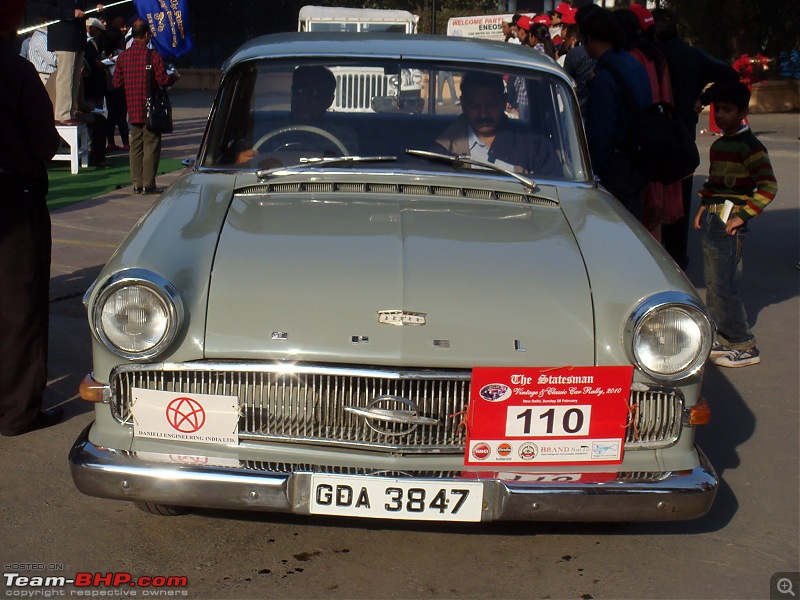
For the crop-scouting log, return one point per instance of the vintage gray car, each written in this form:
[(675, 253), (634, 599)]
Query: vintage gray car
[(296, 325)]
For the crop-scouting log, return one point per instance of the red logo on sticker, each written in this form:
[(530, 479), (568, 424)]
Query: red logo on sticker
[(481, 451), (504, 449), (185, 415)]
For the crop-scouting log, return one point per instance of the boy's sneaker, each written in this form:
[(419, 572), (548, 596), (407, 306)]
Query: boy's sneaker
[(719, 349), (739, 358)]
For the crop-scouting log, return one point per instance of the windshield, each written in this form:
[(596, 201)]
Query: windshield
[(273, 114)]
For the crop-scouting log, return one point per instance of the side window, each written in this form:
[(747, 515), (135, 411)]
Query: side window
[(233, 121)]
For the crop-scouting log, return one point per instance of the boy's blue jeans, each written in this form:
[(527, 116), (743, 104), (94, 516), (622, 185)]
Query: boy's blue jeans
[(722, 267)]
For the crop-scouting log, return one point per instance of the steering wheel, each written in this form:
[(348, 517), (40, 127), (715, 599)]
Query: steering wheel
[(305, 128)]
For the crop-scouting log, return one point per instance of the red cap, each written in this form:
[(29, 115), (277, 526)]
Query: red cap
[(645, 16), (543, 19), (568, 18), (524, 22), (563, 9)]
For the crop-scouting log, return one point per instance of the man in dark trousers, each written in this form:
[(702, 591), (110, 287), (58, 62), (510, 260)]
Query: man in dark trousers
[(94, 79), (67, 38), (690, 70), (131, 73), (29, 138)]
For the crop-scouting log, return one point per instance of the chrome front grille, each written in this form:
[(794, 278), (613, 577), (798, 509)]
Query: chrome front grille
[(655, 418), (307, 404)]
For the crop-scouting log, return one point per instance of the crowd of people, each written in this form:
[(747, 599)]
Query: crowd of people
[(76, 58)]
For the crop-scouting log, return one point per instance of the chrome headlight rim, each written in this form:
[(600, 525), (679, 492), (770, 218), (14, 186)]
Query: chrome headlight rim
[(166, 293), (655, 304)]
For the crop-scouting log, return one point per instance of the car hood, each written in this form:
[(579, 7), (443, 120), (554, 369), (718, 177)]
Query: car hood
[(304, 277)]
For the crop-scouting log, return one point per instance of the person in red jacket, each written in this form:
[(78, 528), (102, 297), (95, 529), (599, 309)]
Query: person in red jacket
[(131, 73)]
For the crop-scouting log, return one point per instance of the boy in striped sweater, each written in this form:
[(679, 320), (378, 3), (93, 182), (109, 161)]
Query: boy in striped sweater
[(741, 183)]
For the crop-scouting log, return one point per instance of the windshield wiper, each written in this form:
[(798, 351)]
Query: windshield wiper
[(463, 159), (324, 160)]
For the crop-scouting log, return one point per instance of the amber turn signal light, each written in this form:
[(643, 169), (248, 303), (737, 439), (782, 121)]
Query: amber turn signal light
[(700, 413), (91, 391)]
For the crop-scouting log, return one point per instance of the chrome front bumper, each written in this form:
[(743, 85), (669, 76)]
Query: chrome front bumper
[(108, 473)]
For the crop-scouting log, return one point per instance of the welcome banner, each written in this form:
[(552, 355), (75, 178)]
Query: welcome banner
[(169, 25)]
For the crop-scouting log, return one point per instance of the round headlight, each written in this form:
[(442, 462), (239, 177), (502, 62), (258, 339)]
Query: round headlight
[(416, 77), (136, 314), (669, 336)]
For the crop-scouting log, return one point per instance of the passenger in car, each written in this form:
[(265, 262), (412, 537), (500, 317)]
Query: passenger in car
[(313, 90), (484, 132)]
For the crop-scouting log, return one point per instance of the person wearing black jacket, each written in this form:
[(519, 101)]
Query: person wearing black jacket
[(29, 139), (94, 83), (115, 97), (67, 38), (690, 70)]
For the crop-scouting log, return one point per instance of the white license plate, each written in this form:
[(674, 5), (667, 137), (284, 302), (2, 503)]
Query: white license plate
[(387, 498)]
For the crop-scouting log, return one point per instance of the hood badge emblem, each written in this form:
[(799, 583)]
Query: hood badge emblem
[(401, 317)]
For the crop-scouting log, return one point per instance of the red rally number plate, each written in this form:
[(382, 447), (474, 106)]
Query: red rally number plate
[(547, 415)]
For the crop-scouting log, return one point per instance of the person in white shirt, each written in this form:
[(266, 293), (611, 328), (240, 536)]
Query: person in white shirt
[(40, 56)]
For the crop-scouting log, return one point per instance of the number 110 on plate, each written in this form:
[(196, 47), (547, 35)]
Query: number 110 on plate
[(548, 421)]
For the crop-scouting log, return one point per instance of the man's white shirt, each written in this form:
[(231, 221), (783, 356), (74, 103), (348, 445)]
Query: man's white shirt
[(39, 55)]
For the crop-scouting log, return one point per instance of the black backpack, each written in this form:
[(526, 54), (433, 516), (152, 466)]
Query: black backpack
[(663, 148)]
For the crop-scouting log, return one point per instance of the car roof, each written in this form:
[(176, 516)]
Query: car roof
[(393, 46)]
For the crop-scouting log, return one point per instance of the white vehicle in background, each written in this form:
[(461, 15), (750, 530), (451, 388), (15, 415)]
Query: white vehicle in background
[(356, 20), (359, 89)]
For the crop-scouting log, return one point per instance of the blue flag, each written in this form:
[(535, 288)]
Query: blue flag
[(169, 25)]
